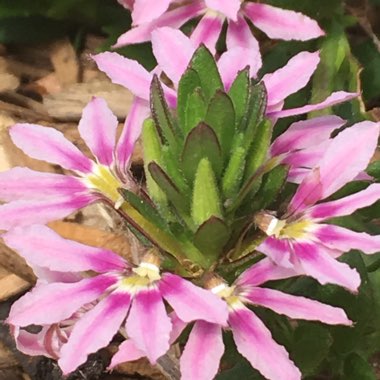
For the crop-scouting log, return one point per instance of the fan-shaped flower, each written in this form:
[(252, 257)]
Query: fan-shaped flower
[(204, 348), (118, 290), (299, 239), (36, 197), (173, 51), (275, 22)]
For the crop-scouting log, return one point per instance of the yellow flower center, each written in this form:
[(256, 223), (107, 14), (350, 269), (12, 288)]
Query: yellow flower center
[(104, 181), (296, 230), (228, 294)]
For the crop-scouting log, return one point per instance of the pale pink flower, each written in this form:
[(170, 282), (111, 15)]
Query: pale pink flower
[(173, 51), (148, 15), (36, 197), (299, 239), (119, 292), (204, 348)]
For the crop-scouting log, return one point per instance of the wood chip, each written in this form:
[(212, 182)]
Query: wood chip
[(65, 62), (11, 285), (116, 242), (68, 104)]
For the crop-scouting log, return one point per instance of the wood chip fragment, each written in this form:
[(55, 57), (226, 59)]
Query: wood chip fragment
[(68, 104), (11, 285), (65, 62)]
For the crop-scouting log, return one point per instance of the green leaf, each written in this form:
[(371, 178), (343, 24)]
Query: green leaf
[(161, 114), (195, 111), (255, 112), (168, 187), (144, 207), (188, 83), (220, 117), (152, 152), (355, 368), (206, 201), (270, 187), (239, 94), (374, 169), (201, 142), (259, 148), (212, 236), (242, 370), (234, 172), (311, 346), (203, 62)]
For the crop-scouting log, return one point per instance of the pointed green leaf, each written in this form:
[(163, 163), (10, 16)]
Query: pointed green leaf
[(239, 94), (203, 62), (234, 172), (171, 166), (311, 345), (161, 114), (259, 148), (212, 236), (152, 152), (196, 108), (355, 368), (270, 188), (220, 117), (168, 187), (187, 84), (200, 143), (145, 208), (206, 201), (255, 112)]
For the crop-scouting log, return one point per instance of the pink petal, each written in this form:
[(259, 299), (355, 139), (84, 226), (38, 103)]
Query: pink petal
[(306, 133), (174, 18), (207, 31), (254, 341), (306, 158), (131, 132), (22, 213), (61, 300), (230, 63), (126, 72), (290, 78), (49, 145), (191, 302), (31, 344), (94, 330), (346, 205), (97, 128), (229, 8), (309, 192), (41, 246), (297, 307), (128, 4), (202, 353), (334, 98), (127, 352), (148, 324), (178, 325), (173, 51), (344, 240), (265, 270), (283, 24), (22, 184), (240, 35), (148, 10), (278, 250), (326, 270), (339, 166)]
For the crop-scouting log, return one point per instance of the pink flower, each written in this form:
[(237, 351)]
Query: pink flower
[(204, 348), (41, 197), (119, 292), (299, 240), (173, 51), (303, 144), (148, 15)]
